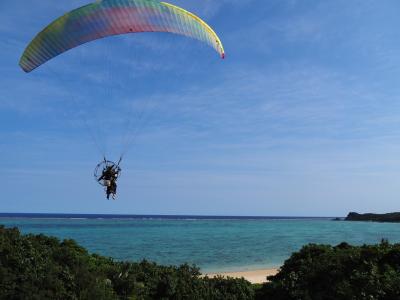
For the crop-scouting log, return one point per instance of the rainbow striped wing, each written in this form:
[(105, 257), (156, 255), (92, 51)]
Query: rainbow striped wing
[(112, 17)]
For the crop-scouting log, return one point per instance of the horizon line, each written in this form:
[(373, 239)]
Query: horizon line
[(167, 216)]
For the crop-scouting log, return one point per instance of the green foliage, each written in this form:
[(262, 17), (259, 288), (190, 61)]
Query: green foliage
[(40, 267), (338, 273), (227, 288)]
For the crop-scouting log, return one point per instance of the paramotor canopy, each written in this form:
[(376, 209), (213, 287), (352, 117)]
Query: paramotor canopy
[(102, 19), (113, 17)]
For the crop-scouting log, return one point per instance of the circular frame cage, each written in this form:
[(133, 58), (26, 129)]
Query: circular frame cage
[(101, 167)]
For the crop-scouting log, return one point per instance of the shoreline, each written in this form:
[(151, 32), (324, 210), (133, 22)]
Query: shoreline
[(254, 276)]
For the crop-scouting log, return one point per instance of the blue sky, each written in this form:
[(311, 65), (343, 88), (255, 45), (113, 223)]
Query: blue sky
[(302, 118)]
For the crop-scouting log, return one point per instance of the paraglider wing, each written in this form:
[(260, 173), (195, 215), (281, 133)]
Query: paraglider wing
[(112, 17)]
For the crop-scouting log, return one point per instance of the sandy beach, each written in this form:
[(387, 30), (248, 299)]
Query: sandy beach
[(254, 276)]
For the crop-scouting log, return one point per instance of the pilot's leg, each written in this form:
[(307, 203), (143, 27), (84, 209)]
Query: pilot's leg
[(113, 188), (108, 192)]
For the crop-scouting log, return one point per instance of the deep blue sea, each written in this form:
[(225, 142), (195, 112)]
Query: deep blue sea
[(212, 243)]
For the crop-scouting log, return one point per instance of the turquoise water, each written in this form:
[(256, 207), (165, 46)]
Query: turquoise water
[(213, 245)]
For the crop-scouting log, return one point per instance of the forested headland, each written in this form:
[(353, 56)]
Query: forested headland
[(388, 217)]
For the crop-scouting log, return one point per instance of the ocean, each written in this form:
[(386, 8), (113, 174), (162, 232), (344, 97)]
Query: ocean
[(215, 244)]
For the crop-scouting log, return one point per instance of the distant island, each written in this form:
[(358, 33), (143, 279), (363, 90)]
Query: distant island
[(389, 217)]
